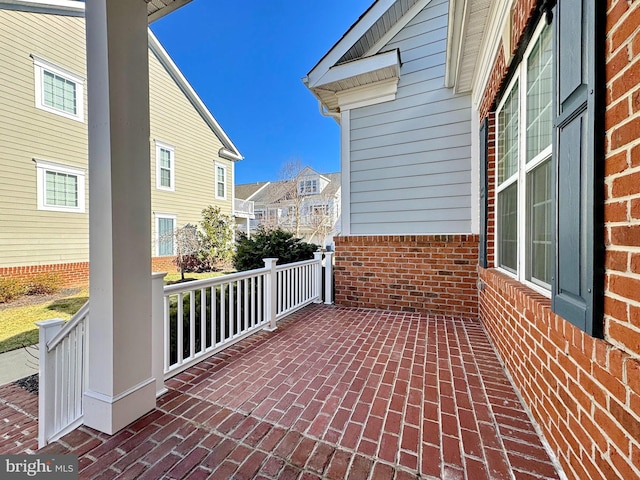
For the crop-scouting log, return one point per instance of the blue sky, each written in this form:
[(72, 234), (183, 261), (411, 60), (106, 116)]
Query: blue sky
[(246, 60)]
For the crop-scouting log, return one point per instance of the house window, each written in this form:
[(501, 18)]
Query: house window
[(165, 167), (221, 182), (60, 188), (524, 135), (57, 90), (165, 235), (308, 187)]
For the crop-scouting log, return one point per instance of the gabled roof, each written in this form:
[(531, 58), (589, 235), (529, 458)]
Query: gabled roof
[(246, 191), (76, 8), (268, 193), (357, 60)]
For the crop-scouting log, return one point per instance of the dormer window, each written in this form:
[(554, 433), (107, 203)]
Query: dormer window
[(308, 187)]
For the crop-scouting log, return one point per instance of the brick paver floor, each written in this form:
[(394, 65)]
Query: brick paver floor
[(334, 393)]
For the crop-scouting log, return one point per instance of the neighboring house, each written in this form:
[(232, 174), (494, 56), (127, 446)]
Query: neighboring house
[(503, 140), (43, 148), (245, 198), (307, 205)]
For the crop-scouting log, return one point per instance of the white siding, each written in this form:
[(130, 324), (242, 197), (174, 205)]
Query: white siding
[(410, 158)]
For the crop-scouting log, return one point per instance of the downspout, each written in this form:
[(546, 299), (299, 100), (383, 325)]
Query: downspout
[(328, 113)]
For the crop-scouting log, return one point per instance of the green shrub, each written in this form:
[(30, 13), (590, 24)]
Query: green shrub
[(43, 284), (11, 288), (275, 243)]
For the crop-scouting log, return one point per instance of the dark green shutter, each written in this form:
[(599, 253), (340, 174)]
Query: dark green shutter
[(578, 134), (484, 144)]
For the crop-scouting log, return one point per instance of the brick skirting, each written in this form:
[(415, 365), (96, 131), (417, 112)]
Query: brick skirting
[(75, 274), (410, 273)]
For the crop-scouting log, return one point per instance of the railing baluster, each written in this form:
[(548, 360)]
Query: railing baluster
[(192, 323), (214, 315), (179, 326), (167, 330), (238, 309), (203, 319), (232, 310), (246, 303), (223, 314)]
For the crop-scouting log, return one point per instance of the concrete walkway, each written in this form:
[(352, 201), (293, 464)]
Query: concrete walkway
[(18, 364)]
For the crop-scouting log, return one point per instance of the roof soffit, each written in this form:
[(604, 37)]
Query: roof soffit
[(155, 8), (475, 28)]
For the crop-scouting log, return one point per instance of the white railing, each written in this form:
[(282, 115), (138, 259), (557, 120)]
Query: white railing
[(204, 317), (243, 208), (63, 356), (191, 321)]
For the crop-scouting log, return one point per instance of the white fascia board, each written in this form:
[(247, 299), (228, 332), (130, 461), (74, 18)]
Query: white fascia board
[(54, 7), (498, 16), (359, 67), (455, 33), (398, 26), (364, 96), (175, 73), (350, 38)]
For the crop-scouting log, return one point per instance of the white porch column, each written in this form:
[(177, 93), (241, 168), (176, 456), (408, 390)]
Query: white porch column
[(121, 387)]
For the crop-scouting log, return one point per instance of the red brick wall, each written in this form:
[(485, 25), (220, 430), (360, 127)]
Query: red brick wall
[(164, 264), (75, 274), (585, 392), (411, 273), (71, 274)]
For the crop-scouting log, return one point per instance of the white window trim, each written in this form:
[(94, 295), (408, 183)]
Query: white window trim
[(172, 168), (43, 166), (520, 177), (158, 217), (223, 167), (40, 65)]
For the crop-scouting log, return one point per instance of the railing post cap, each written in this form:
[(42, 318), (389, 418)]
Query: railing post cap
[(269, 260), (155, 275), (53, 322)]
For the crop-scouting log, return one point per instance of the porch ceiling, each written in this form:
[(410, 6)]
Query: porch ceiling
[(159, 8), (333, 393)]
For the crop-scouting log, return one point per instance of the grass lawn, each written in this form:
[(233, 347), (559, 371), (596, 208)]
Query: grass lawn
[(17, 324), (175, 276)]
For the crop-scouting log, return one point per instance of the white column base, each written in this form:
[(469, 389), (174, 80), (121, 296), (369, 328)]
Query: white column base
[(110, 414)]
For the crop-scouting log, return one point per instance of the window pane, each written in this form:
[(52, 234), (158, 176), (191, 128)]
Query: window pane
[(59, 93), (61, 189), (539, 223), (220, 182), (165, 236), (508, 217), (165, 177), (539, 86), (165, 158), (508, 136)]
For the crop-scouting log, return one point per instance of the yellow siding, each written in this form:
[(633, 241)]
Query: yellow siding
[(29, 236)]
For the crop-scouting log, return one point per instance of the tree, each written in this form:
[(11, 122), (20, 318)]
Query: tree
[(286, 195), (217, 232), (187, 244)]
